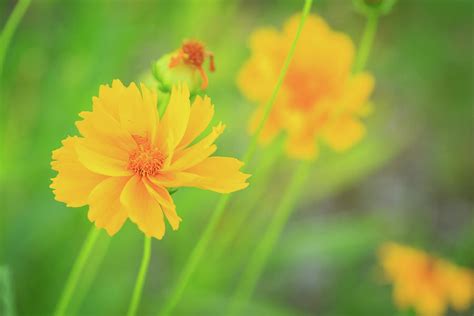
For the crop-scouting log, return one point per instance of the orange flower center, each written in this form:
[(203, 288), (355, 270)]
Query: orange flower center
[(428, 270), (194, 53), (145, 159), (305, 89)]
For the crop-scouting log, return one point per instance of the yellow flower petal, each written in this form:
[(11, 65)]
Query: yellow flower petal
[(105, 208), (175, 120), (174, 179), (159, 193), (142, 208), (162, 196), (137, 116), (459, 286), (301, 147), (200, 116), (74, 182), (100, 158), (150, 100), (102, 127), (430, 304), (359, 89), (266, 38), (219, 174), (403, 295), (314, 24), (110, 98), (343, 133), (263, 67), (198, 152)]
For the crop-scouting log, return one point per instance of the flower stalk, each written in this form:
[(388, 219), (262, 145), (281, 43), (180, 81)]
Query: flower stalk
[(198, 251), (137, 291), (262, 178), (257, 262), (10, 27), (5, 37), (366, 42), (76, 271), (89, 274)]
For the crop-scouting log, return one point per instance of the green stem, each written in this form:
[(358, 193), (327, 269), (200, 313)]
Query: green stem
[(237, 222), (76, 272), (201, 245), (259, 257), (194, 258), (366, 42), (5, 38), (268, 106), (137, 291), (89, 274), (10, 28)]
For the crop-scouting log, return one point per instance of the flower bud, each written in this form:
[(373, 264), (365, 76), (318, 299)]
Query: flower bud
[(184, 65)]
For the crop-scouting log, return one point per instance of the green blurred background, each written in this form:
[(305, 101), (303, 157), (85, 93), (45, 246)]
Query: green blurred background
[(410, 180)]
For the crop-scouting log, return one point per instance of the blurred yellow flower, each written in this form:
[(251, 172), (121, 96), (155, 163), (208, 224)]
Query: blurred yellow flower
[(426, 283), (320, 97), (128, 157)]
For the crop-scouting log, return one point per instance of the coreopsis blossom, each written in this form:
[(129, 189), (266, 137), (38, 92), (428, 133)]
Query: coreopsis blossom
[(127, 158), (186, 64), (320, 98), (426, 283)]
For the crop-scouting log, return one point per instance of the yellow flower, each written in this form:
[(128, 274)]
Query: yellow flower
[(320, 98), (128, 157), (426, 283)]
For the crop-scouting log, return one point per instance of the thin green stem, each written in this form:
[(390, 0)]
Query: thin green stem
[(268, 106), (137, 291), (201, 245), (76, 271), (366, 42), (259, 257), (262, 177), (195, 257), (89, 274), (5, 38), (10, 27)]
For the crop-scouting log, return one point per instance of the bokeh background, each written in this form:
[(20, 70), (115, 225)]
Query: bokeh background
[(410, 180)]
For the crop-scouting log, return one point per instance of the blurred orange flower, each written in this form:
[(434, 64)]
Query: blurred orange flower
[(426, 283), (320, 97), (128, 157)]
